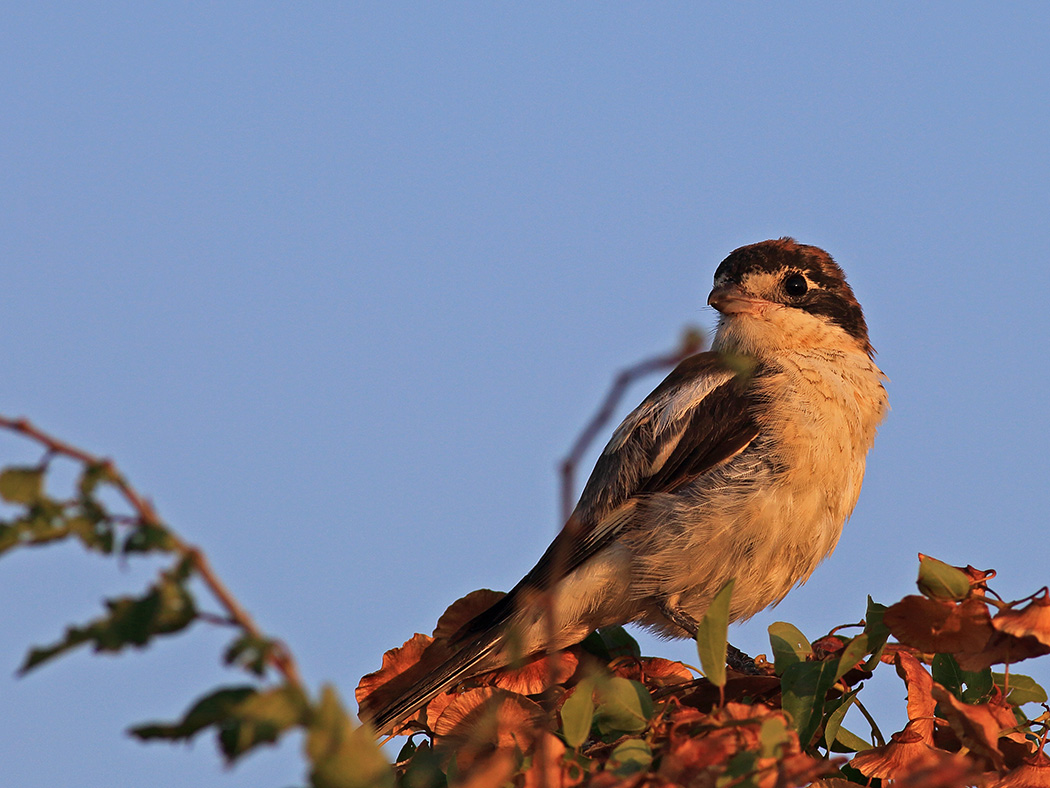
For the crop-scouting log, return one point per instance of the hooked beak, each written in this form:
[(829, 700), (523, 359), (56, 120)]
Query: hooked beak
[(731, 300)]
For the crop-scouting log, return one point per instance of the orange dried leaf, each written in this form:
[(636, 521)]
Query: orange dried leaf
[(654, 672), (921, 705), (464, 609), (905, 754), (940, 627), (1033, 620), (537, 675), (975, 724), (395, 662), (548, 769), (488, 718), (1033, 773)]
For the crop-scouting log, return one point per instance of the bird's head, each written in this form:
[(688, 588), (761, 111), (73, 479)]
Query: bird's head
[(780, 295)]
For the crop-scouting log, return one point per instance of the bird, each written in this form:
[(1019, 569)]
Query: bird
[(743, 464)]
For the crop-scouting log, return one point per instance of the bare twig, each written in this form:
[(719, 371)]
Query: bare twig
[(279, 657)]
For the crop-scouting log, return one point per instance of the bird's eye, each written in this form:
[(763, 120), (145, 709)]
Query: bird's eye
[(796, 285)]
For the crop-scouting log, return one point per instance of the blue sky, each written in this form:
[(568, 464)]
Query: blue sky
[(337, 285)]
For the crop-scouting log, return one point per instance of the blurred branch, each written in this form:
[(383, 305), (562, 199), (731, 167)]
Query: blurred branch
[(692, 342), (146, 515)]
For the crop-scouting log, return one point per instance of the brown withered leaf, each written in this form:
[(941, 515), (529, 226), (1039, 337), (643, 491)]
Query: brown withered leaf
[(653, 672), (395, 662), (702, 694), (485, 720), (921, 705), (548, 769), (940, 627), (1033, 773), (1000, 649), (538, 674), (976, 725), (464, 609), (905, 753), (1033, 620)]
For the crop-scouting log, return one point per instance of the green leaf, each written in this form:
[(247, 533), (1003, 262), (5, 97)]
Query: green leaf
[(978, 685), (834, 720), (22, 485), (93, 534), (877, 632), (850, 742), (939, 580), (424, 770), (946, 672), (1022, 689), (131, 621), (340, 755), (624, 706), (804, 688), (789, 646), (773, 736), (851, 655), (610, 643), (577, 714), (630, 757), (712, 636)]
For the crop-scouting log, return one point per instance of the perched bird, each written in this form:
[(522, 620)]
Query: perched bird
[(743, 463)]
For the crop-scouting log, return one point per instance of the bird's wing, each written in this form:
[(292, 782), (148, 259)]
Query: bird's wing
[(700, 416)]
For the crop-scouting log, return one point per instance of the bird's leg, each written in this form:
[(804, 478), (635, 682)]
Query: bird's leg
[(735, 658)]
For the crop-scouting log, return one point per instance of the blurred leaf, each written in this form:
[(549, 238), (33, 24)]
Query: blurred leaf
[(131, 621), (1022, 689), (774, 736), (939, 580), (22, 485), (789, 645), (804, 688), (624, 706), (424, 769), (149, 538), (712, 636), (91, 477), (577, 714), (250, 653), (243, 718), (212, 709), (93, 534), (630, 757), (610, 643), (341, 755)]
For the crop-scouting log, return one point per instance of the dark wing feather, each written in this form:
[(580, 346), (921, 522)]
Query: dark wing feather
[(650, 453)]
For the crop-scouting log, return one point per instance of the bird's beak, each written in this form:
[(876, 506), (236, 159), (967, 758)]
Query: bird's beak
[(731, 300)]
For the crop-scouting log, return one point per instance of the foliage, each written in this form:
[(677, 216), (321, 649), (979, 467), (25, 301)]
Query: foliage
[(599, 714)]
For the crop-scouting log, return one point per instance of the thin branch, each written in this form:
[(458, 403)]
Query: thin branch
[(280, 657)]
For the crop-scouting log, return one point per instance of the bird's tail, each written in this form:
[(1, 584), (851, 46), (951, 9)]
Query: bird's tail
[(441, 665)]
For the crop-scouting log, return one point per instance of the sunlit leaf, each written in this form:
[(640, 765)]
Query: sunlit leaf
[(577, 714), (851, 655), (939, 580), (1019, 689), (712, 636), (789, 645), (623, 706), (834, 720)]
